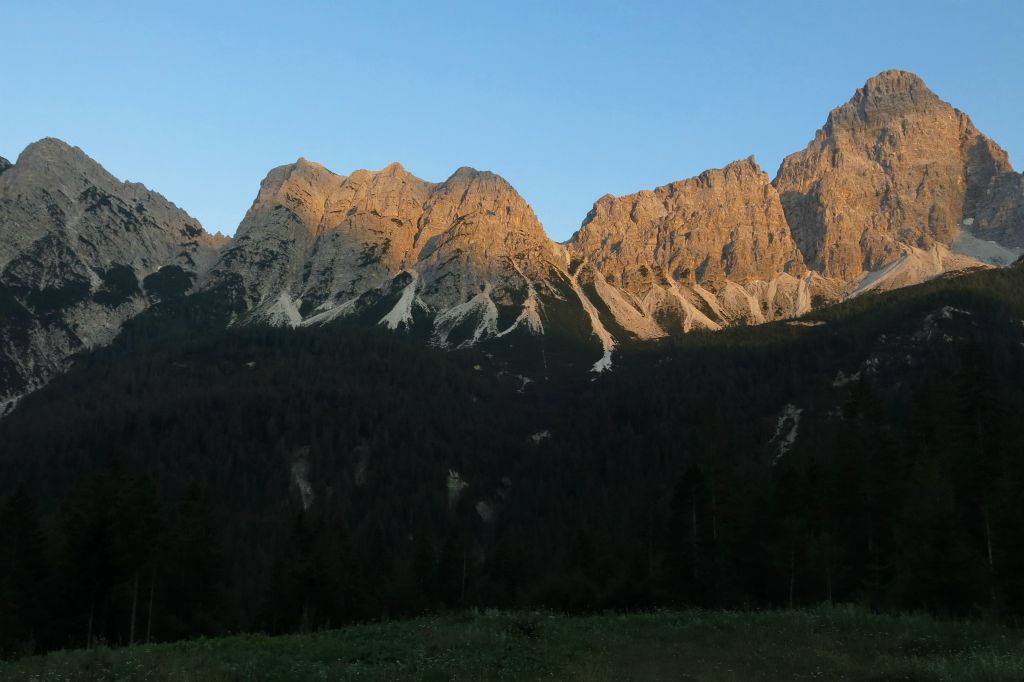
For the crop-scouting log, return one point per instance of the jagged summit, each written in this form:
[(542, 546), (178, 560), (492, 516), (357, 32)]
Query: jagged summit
[(894, 81), (887, 97), (49, 146), (468, 173), (49, 159), (724, 223), (894, 167), (322, 238)]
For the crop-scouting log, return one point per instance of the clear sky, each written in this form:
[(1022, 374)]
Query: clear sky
[(568, 101)]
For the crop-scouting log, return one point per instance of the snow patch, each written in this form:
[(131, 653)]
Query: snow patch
[(786, 430)]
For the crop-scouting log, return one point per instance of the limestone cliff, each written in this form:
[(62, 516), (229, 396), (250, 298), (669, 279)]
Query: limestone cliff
[(894, 167)]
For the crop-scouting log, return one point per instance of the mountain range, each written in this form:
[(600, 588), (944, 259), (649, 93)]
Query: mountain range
[(385, 396), (896, 188)]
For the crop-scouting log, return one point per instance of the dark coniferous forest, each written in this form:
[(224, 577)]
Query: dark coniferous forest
[(196, 480)]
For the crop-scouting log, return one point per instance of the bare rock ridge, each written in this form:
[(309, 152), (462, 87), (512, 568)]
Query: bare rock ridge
[(894, 168), (80, 253), (998, 214), (897, 187), (704, 252), (314, 241), (724, 223)]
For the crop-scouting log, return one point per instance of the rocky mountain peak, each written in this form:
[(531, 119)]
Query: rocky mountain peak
[(894, 180), (50, 148), (893, 168), (58, 166), (884, 98), (395, 168), (894, 84), (80, 253), (724, 223), (322, 238)]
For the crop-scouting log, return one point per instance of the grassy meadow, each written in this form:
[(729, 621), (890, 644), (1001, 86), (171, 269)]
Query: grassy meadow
[(821, 644)]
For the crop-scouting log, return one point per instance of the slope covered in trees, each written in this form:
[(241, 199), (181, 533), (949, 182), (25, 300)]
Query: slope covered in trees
[(195, 480)]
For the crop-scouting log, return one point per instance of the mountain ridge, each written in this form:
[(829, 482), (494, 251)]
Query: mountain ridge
[(895, 188)]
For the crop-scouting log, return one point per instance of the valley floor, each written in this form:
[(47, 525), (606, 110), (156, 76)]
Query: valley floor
[(826, 643)]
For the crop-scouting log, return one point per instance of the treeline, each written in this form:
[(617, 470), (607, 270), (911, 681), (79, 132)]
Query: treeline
[(184, 483)]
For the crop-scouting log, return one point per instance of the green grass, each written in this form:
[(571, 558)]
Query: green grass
[(822, 644)]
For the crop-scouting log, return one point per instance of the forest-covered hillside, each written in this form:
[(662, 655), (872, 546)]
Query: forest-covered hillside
[(195, 480)]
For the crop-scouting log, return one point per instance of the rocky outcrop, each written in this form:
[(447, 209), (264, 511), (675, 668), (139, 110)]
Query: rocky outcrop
[(321, 240), (478, 231), (894, 167), (701, 253), (896, 188), (998, 214), (4, 164), (885, 196), (725, 224), (319, 236), (80, 253)]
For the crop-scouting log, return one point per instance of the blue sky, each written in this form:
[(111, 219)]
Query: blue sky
[(568, 101)]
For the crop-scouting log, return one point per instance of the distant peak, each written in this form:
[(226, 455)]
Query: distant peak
[(50, 147), (51, 143), (303, 162), (887, 96), (465, 172), (394, 168), (50, 154), (469, 174), (741, 165), (893, 81)]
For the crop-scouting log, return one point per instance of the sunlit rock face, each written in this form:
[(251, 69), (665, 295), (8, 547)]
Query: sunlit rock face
[(894, 167), (704, 252), (896, 188), (323, 239), (726, 223)]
